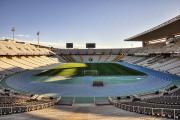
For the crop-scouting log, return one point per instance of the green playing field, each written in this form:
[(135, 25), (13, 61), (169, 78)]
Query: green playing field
[(78, 69)]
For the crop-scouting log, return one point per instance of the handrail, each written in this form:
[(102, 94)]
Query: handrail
[(29, 105), (162, 113)]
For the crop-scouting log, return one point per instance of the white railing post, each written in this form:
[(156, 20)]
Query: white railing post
[(11, 110), (174, 114), (73, 100), (94, 100), (133, 108), (162, 110), (143, 110)]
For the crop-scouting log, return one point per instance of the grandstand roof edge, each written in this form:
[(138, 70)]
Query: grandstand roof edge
[(140, 36)]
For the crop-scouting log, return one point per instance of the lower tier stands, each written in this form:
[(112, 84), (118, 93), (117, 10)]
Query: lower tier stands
[(170, 64), (13, 102), (167, 105)]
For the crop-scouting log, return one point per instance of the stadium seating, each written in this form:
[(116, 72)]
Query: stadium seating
[(18, 103), (9, 47), (12, 102), (159, 63), (88, 58), (156, 105), (18, 56)]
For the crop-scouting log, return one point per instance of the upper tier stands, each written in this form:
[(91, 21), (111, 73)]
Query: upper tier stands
[(18, 56), (9, 47), (89, 58), (87, 51), (154, 48)]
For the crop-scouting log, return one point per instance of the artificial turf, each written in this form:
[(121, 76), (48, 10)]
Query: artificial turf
[(77, 69)]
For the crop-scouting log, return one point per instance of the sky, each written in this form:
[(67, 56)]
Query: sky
[(104, 22)]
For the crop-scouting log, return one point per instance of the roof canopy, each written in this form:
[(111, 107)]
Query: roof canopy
[(166, 29)]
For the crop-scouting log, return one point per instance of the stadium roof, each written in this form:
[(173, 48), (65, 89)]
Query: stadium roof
[(168, 28)]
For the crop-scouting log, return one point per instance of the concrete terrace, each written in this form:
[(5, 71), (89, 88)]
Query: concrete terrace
[(80, 112)]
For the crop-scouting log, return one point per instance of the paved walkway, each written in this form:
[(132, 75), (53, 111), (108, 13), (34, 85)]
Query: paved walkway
[(79, 112)]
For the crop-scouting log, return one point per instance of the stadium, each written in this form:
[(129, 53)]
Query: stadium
[(39, 82)]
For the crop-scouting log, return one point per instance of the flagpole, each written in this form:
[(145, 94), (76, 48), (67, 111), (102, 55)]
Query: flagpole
[(13, 35), (38, 33), (13, 30)]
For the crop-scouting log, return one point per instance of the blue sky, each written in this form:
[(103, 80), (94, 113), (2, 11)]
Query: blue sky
[(105, 22)]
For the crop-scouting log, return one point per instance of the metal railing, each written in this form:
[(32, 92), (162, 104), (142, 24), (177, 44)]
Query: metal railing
[(161, 112), (24, 108)]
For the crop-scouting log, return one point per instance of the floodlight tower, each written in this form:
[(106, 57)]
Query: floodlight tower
[(13, 30), (38, 33)]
